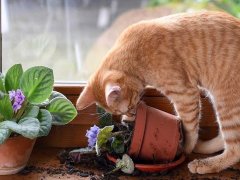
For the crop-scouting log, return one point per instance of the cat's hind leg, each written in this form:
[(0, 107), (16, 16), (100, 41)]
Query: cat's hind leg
[(229, 123), (229, 157), (210, 146)]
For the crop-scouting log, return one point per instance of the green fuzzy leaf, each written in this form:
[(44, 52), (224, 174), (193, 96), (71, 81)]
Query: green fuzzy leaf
[(56, 94), (44, 103), (118, 145), (45, 119), (2, 87), (1, 95), (37, 84), (1, 117), (13, 76), (103, 136), (31, 111), (105, 120), (4, 133), (125, 164), (1, 98), (62, 110), (6, 107), (27, 127)]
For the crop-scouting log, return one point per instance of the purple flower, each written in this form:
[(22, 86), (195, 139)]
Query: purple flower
[(16, 106), (18, 98), (11, 95), (92, 135)]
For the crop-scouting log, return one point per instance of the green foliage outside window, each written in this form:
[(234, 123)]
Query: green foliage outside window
[(231, 6)]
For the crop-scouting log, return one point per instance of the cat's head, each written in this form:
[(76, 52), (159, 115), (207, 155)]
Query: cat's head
[(113, 90)]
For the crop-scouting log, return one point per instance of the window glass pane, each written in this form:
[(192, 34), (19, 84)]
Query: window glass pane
[(72, 36)]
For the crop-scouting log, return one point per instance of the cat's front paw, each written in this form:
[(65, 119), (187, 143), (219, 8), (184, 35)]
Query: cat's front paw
[(195, 166), (200, 166)]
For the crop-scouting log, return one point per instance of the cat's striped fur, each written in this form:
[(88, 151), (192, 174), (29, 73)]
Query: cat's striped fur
[(178, 54)]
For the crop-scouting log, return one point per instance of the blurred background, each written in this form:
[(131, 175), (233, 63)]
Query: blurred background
[(72, 36)]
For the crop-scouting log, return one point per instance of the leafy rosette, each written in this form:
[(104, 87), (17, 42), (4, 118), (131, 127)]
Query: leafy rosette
[(28, 104), (107, 137)]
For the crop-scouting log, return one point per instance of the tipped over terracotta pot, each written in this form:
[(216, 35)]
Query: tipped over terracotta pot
[(14, 154), (156, 141), (156, 135)]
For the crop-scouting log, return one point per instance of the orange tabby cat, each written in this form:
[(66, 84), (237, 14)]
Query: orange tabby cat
[(178, 55)]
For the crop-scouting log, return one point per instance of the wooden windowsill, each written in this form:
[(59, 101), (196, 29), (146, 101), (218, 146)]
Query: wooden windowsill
[(46, 158)]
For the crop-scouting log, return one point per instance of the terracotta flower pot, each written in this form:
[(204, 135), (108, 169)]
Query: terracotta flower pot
[(14, 154), (156, 135), (157, 140)]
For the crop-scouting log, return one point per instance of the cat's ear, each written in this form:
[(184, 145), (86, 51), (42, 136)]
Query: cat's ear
[(112, 93), (85, 99)]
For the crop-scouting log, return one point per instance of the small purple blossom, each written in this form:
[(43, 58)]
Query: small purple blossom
[(11, 94), (92, 135), (17, 98), (16, 106)]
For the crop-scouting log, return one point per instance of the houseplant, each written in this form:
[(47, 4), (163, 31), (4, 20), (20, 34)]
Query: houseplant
[(28, 109), (152, 143)]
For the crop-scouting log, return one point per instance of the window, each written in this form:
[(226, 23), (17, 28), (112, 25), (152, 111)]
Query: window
[(60, 34), (72, 36)]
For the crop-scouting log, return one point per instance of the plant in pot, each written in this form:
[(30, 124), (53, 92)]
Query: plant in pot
[(151, 143), (28, 109)]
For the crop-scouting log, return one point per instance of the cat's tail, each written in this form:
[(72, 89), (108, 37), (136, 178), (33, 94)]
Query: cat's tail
[(210, 146)]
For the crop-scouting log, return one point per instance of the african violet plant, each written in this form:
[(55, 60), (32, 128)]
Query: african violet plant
[(104, 139), (28, 104), (108, 137)]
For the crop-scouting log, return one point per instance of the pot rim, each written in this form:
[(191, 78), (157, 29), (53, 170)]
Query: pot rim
[(136, 143), (9, 171), (17, 137)]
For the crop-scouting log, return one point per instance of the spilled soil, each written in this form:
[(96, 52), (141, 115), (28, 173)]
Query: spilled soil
[(70, 166)]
